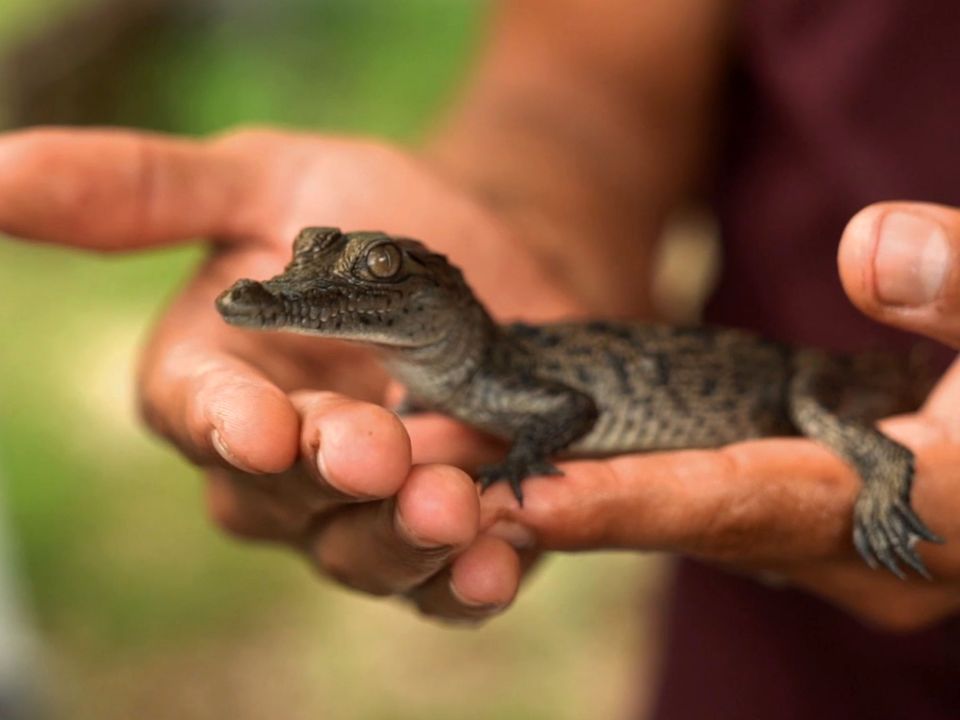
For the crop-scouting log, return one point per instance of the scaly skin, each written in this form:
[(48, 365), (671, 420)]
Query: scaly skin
[(594, 388)]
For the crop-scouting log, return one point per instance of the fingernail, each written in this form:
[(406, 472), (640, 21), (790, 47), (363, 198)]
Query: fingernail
[(912, 259), (514, 533), (221, 447), (485, 607), (404, 530), (322, 466), (325, 474)]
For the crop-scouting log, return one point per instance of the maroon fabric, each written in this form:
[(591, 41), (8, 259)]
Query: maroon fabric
[(738, 650), (835, 104)]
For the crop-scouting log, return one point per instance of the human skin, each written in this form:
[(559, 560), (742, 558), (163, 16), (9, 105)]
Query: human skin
[(560, 165)]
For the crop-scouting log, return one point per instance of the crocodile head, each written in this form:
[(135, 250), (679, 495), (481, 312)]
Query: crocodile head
[(362, 286)]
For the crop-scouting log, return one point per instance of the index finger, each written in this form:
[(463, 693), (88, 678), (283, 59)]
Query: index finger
[(767, 503), (776, 499), (119, 189)]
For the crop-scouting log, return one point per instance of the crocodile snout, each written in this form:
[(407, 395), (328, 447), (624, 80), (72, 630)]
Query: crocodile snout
[(246, 300)]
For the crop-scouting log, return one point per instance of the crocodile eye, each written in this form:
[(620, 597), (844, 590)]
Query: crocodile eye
[(383, 261)]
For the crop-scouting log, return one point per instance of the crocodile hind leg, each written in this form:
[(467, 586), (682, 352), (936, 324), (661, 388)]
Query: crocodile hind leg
[(885, 526)]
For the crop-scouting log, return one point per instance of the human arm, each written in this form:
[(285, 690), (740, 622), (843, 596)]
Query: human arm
[(587, 125)]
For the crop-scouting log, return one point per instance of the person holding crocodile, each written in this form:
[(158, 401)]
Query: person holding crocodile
[(585, 126)]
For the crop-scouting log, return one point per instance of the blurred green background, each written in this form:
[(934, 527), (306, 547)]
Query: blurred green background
[(144, 610)]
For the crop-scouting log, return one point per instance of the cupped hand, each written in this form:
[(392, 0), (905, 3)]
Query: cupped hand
[(777, 508), (295, 447)]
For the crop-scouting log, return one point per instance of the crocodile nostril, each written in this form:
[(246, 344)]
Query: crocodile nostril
[(245, 295), (249, 292)]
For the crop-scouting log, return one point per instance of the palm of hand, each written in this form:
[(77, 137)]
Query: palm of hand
[(321, 471)]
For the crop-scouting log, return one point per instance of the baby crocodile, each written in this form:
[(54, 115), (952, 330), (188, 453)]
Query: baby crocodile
[(590, 388)]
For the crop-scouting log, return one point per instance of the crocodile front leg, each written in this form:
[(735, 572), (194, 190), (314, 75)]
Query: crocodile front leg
[(885, 526), (542, 418)]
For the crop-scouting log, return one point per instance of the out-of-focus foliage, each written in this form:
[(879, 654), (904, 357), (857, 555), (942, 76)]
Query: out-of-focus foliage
[(145, 610)]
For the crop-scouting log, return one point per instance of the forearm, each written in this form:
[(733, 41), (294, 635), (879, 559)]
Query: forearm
[(587, 125)]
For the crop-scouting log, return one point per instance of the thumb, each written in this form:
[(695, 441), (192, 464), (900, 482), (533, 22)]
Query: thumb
[(900, 264)]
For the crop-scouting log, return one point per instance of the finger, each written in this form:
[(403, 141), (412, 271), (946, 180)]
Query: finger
[(480, 583), (118, 190), (355, 450), (769, 499), (392, 546), (438, 439), (281, 506), (900, 263), (250, 510), (218, 409)]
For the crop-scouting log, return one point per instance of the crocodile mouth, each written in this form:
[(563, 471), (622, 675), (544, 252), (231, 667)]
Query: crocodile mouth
[(326, 311)]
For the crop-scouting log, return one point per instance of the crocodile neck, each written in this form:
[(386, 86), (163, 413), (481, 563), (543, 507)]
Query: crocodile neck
[(434, 373)]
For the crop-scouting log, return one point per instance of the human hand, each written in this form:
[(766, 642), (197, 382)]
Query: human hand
[(328, 474), (777, 507)]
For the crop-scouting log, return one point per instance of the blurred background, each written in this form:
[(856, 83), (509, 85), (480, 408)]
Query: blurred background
[(139, 607)]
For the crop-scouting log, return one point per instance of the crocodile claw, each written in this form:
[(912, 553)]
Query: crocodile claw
[(886, 532), (514, 471)]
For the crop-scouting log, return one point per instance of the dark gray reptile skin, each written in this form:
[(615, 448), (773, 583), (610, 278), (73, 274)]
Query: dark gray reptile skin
[(596, 388)]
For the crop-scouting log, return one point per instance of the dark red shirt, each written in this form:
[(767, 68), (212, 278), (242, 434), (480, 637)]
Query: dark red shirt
[(834, 104)]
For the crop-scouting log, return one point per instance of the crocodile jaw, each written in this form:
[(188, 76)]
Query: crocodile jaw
[(332, 312)]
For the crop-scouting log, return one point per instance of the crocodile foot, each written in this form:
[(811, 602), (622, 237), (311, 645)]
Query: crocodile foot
[(886, 529), (515, 471)]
